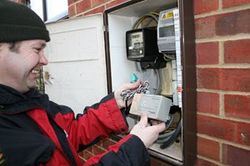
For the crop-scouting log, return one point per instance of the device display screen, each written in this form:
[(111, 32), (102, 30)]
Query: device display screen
[(135, 45), (166, 31)]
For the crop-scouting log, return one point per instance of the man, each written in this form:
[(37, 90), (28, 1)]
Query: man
[(37, 131)]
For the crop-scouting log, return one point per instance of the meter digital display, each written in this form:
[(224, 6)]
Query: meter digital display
[(135, 45)]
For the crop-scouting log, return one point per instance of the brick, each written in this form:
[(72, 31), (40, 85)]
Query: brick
[(243, 133), (224, 79), (237, 132), (72, 1), (207, 53), (83, 6), (72, 10), (97, 150), (85, 154), (205, 27), (97, 2), (201, 162), (208, 78), (208, 148), (223, 25), (107, 142), (237, 51), (233, 23), (231, 3), (204, 6), (208, 102), (88, 149), (115, 3), (80, 153), (237, 106), (235, 156), (235, 80), (96, 10), (100, 142), (156, 162)]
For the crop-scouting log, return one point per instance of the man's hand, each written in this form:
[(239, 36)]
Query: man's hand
[(117, 93), (148, 134)]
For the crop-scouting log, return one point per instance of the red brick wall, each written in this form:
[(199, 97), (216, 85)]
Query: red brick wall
[(222, 29), (87, 7)]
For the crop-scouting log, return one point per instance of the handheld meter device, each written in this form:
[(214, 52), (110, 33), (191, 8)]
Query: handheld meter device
[(155, 106)]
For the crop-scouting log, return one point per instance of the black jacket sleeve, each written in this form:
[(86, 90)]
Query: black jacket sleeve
[(129, 151)]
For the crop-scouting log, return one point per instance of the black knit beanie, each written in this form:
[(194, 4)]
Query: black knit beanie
[(18, 22)]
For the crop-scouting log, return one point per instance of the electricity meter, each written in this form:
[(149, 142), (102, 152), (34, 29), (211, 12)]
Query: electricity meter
[(141, 44), (166, 31)]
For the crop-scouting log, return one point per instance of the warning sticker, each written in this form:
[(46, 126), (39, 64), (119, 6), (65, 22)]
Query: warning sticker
[(168, 15)]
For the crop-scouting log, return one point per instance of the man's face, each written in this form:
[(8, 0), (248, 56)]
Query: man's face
[(20, 67)]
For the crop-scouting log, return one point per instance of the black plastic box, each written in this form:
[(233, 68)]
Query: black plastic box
[(141, 45)]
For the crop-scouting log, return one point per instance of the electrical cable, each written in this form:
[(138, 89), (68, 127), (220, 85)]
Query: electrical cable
[(138, 67), (168, 124), (152, 15), (166, 137), (171, 139), (168, 57), (173, 128)]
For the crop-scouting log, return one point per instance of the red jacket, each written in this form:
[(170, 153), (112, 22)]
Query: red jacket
[(65, 133)]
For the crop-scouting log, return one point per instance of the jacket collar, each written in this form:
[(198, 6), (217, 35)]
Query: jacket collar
[(12, 101)]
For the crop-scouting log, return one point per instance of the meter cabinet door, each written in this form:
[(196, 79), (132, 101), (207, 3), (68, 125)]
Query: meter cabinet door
[(76, 73)]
